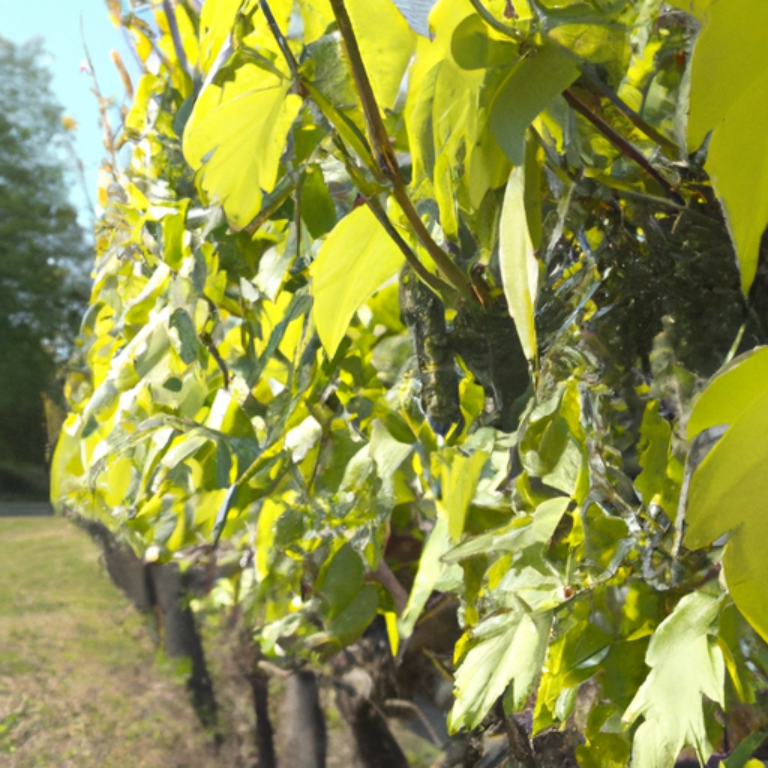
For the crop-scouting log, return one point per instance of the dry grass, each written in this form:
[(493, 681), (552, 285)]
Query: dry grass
[(80, 684)]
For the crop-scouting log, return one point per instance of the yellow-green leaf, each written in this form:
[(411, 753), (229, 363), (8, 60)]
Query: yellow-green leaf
[(236, 135), (729, 80), (459, 476), (511, 647), (216, 20), (519, 267), (731, 392), (729, 492), (386, 45), (357, 258), (686, 664)]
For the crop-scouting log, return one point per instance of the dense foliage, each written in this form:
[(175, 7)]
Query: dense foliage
[(42, 252), (384, 312)]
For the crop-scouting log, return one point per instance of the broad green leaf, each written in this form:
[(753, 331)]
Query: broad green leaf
[(136, 120), (184, 336), (475, 46), (686, 664), (316, 16), (317, 209), (355, 618), (732, 392), (386, 451), (740, 757), (519, 267), (528, 531), (459, 476), (236, 136), (386, 45), (510, 648), (429, 573), (654, 482), (340, 583), (729, 80), (729, 492), (216, 20), (301, 439), (174, 249), (357, 258), (531, 85)]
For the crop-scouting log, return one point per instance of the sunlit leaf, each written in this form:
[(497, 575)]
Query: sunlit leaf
[(519, 267), (357, 258), (342, 579), (386, 45), (510, 649), (728, 493), (686, 664), (729, 79), (236, 136)]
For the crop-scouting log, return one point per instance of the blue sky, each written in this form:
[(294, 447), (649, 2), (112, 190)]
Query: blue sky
[(57, 22)]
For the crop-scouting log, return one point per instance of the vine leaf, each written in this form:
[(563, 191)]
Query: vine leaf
[(236, 136), (357, 258), (682, 651), (342, 580), (216, 20), (519, 268), (532, 84), (729, 79), (386, 45), (459, 477), (510, 647), (729, 487), (431, 569)]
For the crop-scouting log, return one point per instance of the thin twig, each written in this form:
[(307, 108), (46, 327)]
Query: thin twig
[(602, 89), (493, 22), (385, 154), (624, 146), (282, 43), (109, 136), (384, 576), (178, 44), (435, 283)]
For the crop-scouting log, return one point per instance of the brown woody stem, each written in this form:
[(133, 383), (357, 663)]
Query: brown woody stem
[(385, 154), (282, 43), (624, 146)]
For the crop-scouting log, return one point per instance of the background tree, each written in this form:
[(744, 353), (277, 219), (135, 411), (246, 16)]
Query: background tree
[(43, 253)]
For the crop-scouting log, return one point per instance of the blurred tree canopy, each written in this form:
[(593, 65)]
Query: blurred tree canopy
[(43, 252)]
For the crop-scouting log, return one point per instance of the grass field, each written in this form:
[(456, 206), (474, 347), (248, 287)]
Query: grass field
[(80, 685)]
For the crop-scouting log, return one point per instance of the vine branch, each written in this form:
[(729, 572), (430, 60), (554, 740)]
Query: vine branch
[(178, 44), (493, 22), (642, 125), (385, 154), (282, 43), (625, 147), (519, 744)]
